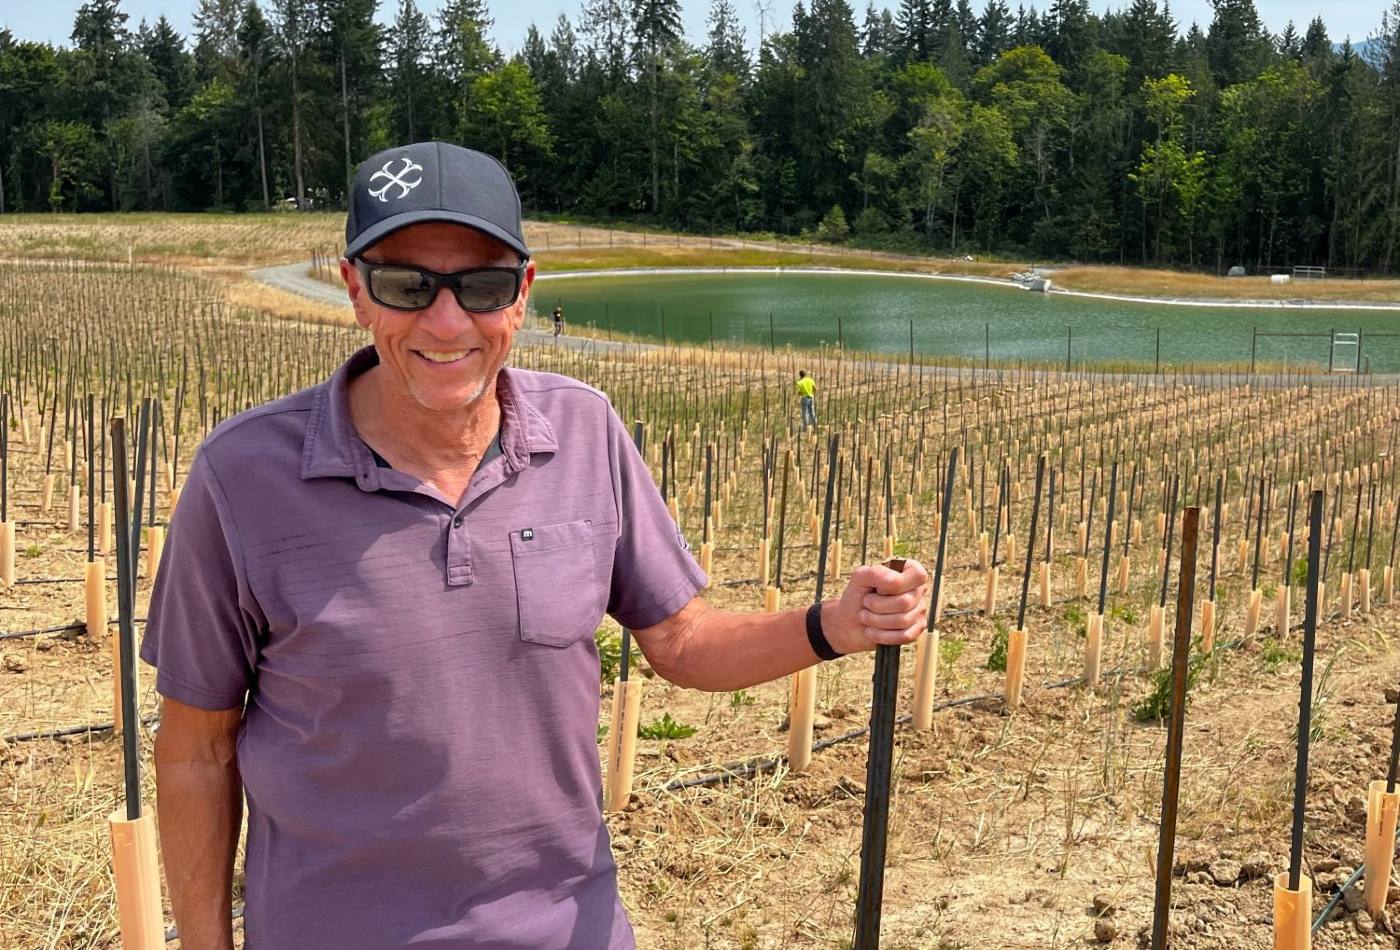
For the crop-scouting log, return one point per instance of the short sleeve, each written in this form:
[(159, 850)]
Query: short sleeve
[(654, 574), (203, 628)]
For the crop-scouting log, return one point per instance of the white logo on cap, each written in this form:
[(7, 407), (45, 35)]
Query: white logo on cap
[(396, 178)]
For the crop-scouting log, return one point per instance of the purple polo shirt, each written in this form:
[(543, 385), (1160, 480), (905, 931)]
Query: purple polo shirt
[(419, 746)]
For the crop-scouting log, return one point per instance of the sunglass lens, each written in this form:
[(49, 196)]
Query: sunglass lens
[(487, 290), (401, 287)]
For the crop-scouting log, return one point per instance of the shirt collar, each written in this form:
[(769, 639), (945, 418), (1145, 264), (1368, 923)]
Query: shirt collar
[(332, 447)]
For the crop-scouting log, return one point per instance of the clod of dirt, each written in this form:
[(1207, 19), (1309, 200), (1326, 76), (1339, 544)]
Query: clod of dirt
[(1364, 924), (14, 663), (623, 843), (1105, 931), (1392, 695), (1356, 810), (1254, 867), (1104, 906), (820, 722), (1199, 877), (850, 786), (1185, 866), (1225, 873), (1352, 900), (44, 646), (1326, 864)]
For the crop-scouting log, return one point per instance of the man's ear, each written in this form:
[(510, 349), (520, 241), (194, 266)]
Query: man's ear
[(355, 290), (522, 302)]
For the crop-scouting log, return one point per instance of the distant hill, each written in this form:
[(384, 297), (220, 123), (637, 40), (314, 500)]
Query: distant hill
[(1369, 49)]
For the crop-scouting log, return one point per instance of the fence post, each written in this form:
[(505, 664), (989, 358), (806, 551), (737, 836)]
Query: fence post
[(1253, 348), (987, 346), (1069, 347)]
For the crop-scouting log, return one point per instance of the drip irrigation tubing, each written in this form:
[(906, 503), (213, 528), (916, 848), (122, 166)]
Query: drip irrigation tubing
[(72, 731), (65, 628), (1341, 892), (748, 768), (58, 580)]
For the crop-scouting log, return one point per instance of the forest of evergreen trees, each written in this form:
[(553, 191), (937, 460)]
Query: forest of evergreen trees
[(1118, 138)]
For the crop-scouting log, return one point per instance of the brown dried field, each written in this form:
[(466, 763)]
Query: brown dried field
[(1030, 826)]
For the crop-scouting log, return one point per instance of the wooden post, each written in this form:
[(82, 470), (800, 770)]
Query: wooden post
[(1381, 810), (1016, 640), (926, 649), (1292, 891), (805, 681), (1093, 650), (1251, 613), (134, 863), (7, 553), (104, 529), (1176, 727)]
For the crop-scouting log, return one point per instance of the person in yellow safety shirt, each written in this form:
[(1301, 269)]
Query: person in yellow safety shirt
[(807, 393)]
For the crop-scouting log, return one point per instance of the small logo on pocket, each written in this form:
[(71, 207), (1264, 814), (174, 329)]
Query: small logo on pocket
[(527, 534)]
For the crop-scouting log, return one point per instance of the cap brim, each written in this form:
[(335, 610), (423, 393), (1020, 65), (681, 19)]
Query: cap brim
[(377, 232)]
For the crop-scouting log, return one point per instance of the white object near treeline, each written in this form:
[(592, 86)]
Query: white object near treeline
[(1041, 284), (1236, 271), (1279, 278)]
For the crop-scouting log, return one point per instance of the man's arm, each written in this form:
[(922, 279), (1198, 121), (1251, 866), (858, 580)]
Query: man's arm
[(199, 797), (700, 647)]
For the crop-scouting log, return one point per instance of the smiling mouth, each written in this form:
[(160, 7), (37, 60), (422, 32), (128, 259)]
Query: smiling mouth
[(442, 357)]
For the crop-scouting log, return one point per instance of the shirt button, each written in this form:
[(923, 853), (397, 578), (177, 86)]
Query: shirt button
[(457, 521)]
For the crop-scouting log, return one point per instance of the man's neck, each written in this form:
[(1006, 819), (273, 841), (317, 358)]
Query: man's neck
[(418, 441)]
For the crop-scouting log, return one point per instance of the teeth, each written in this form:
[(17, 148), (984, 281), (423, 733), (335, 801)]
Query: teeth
[(442, 357)]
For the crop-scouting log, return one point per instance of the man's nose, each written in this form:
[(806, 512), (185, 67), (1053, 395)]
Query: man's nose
[(444, 317)]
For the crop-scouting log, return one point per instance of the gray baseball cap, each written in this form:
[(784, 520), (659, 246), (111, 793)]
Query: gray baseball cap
[(432, 181)]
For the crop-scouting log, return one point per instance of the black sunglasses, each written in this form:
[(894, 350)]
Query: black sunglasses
[(478, 290)]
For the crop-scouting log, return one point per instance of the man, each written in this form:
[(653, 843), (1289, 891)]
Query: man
[(807, 394), (375, 618), (558, 321)]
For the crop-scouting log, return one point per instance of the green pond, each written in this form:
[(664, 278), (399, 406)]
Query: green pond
[(963, 319)]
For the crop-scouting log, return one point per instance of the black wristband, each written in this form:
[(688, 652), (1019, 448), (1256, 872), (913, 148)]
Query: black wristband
[(815, 637)]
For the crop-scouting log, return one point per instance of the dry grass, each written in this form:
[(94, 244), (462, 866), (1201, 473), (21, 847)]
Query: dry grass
[(242, 292), (259, 239), (1134, 281), (1004, 826)]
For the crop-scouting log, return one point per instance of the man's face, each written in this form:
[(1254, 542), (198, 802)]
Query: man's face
[(443, 357)]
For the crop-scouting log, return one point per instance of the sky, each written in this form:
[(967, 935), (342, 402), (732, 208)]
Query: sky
[(53, 20)]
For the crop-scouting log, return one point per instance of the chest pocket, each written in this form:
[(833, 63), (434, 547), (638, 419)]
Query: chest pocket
[(556, 583)]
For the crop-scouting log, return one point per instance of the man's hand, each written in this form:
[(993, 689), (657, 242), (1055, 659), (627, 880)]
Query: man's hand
[(878, 606)]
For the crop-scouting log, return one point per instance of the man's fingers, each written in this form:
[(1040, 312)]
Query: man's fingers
[(882, 604), (885, 581), (899, 621), (894, 637)]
